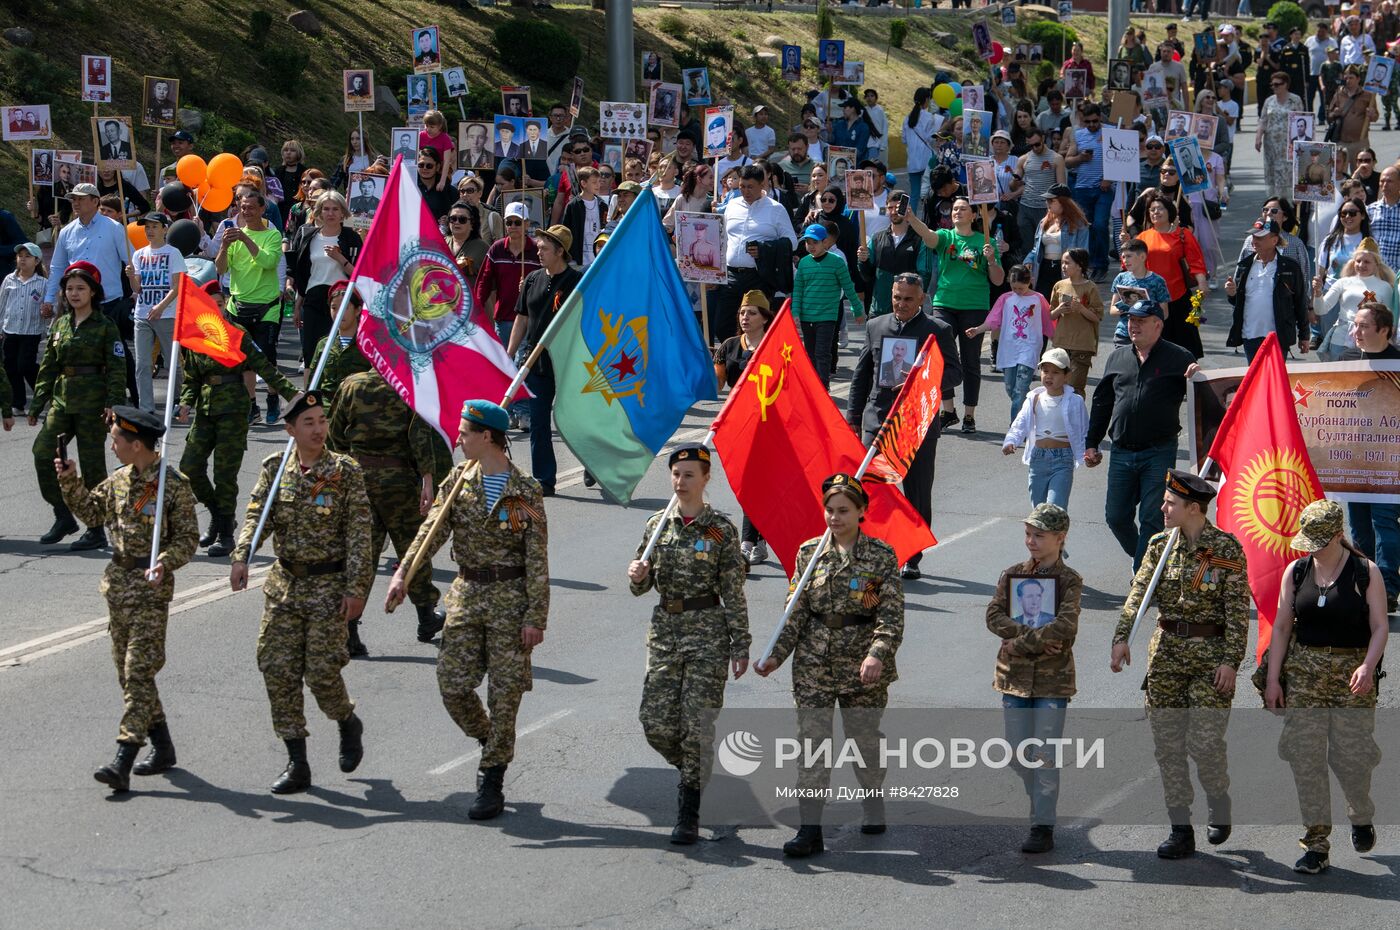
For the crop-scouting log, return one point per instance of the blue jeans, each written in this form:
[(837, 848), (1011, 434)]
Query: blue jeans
[(1136, 482), (1375, 531), (1017, 379), (1043, 719), (543, 466), (1052, 476), (1097, 205)]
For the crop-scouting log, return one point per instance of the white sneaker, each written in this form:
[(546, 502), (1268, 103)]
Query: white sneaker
[(746, 552), (760, 552)]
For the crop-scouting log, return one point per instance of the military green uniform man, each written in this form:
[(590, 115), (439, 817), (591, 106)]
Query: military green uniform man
[(320, 526), (220, 396), (345, 358), (138, 602), (1202, 627), (395, 449), (844, 630), (498, 605), (699, 631), (81, 377)]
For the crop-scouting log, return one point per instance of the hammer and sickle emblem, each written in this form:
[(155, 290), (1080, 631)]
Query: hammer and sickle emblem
[(766, 398)]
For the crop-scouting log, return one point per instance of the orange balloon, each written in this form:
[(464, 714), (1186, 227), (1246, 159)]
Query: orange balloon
[(136, 235), (191, 170), (202, 191), (224, 170), (218, 199)]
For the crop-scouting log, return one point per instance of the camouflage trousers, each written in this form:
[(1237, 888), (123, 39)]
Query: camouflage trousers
[(1188, 718), (88, 433), (681, 697), (817, 696), (481, 641), (393, 507), (1325, 726), (136, 621), (226, 439), (302, 640)]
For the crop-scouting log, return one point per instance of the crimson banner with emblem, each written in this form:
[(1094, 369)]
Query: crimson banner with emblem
[(1268, 478), (911, 416)]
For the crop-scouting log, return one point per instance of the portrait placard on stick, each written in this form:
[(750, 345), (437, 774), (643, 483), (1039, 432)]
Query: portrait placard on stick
[(618, 120), (700, 247), (366, 191), (719, 126), (1314, 171), (981, 180), (359, 90), (25, 123), (665, 105), (161, 98), (97, 79), (427, 56), (111, 139), (860, 191)]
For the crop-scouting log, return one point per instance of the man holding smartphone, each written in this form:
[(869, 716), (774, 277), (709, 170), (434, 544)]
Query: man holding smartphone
[(891, 251)]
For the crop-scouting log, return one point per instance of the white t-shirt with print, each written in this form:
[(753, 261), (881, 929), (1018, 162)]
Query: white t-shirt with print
[(157, 269)]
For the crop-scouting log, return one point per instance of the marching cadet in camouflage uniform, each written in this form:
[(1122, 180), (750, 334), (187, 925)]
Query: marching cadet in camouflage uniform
[(371, 423), (845, 629), (699, 631), (82, 376), (138, 605), (320, 526), (498, 605), (1035, 664), (345, 358), (1202, 627), (220, 396), (1328, 641)]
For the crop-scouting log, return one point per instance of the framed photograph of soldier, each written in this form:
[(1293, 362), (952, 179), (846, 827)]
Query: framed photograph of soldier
[(1034, 599), (97, 79), (981, 180), (403, 141), (1204, 42), (839, 160), (982, 39), (1065, 9), (366, 191), (1037, 52), (111, 140), (1314, 171), (1120, 74), (1301, 127), (1076, 83), (1154, 92), (507, 136), (852, 75), (977, 132), (651, 66), (534, 205), (612, 156), (1178, 125), (422, 97), (664, 107), (474, 145), (700, 247), (576, 98), (160, 99), (897, 354), (1190, 164), (719, 127), (533, 146), (456, 81), (427, 56), (617, 120), (860, 189), (1378, 73), (639, 149), (1008, 15), (697, 86), (41, 167), (515, 101), (792, 63), (25, 123), (831, 57), (359, 90), (974, 96)]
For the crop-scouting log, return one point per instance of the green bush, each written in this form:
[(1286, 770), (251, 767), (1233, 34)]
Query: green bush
[(1049, 34), (219, 135), (715, 50), (1288, 16), (688, 58), (899, 31), (259, 25), (538, 50), (826, 21), (283, 66), (672, 25)]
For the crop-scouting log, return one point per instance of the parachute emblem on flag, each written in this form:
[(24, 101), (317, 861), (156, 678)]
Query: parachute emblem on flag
[(426, 304), (1270, 497), (619, 369)]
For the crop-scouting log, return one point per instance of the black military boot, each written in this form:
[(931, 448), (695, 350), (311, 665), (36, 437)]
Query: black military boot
[(223, 542), (1218, 820), (353, 642), (212, 532), (872, 822), (1182, 841), (352, 748), (429, 623), (1040, 840), (63, 525), (808, 841), (490, 799), (161, 758), (687, 829), (117, 773), (95, 537), (296, 776)]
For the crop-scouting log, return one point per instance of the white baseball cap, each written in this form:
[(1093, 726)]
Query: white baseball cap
[(517, 211)]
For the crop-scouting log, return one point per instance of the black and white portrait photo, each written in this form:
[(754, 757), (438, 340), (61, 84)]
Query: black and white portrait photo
[(41, 167), (112, 140), (515, 101), (403, 140), (456, 80), (1032, 599), (359, 90), (161, 98), (665, 105), (474, 145)]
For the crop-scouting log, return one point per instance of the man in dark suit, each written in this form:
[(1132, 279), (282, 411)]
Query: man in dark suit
[(533, 146), (114, 147), (870, 403), (506, 146), (893, 372)]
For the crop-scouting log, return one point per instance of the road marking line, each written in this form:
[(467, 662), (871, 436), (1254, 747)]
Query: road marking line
[(963, 534), (537, 725)]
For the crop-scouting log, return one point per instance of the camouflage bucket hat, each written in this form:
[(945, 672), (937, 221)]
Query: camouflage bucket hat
[(1319, 523), (1049, 517)]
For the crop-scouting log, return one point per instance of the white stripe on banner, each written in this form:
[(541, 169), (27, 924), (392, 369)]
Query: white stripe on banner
[(425, 401)]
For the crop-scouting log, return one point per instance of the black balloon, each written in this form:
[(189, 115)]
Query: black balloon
[(184, 236), (175, 197)]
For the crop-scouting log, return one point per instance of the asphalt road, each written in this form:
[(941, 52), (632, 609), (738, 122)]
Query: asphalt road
[(584, 841)]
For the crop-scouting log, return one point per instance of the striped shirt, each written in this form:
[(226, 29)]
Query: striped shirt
[(1385, 229), (493, 486), (19, 305), (1090, 173)]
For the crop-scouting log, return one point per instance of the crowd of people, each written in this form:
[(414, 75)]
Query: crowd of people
[(82, 345)]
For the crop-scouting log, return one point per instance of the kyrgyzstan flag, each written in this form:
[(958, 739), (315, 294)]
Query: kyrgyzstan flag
[(201, 327), (780, 435), (1269, 478), (420, 329), (913, 413)]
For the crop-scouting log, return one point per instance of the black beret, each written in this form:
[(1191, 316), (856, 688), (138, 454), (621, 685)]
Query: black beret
[(302, 404), (143, 425), (696, 453), (1189, 487), (847, 483)]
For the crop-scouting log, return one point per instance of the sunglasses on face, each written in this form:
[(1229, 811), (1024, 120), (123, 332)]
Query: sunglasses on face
[(1351, 213), (1268, 211), (583, 151), (1279, 83), (457, 218), (515, 222), (605, 175), (1365, 161)]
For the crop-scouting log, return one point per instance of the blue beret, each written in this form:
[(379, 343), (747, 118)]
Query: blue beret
[(485, 413)]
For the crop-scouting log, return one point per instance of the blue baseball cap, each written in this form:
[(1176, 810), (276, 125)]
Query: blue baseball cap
[(1146, 308), (816, 232), (485, 413)]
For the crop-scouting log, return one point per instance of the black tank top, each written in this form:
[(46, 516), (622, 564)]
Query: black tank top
[(1343, 619)]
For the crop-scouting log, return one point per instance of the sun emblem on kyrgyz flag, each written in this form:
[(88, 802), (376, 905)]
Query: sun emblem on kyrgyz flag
[(619, 369), (212, 326), (1269, 498)]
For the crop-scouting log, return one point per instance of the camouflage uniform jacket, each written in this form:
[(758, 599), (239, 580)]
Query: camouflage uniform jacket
[(343, 362), (369, 418), (694, 560), (862, 581), (1029, 672), (514, 533), (125, 502), (321, 515), (231, 397), (1204, 583), (93, 343)]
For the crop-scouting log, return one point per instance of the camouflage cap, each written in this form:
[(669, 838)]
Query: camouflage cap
[(1049, 517), (1318, 525)]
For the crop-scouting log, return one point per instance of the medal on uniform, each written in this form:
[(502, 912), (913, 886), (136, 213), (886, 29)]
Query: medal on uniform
[(700, 552)]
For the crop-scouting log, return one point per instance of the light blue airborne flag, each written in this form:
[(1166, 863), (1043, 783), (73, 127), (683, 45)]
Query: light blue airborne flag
[(628, 357)]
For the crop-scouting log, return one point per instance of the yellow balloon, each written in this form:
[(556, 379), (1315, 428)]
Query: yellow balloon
[(943, 95)]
